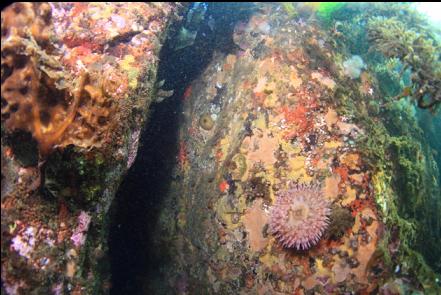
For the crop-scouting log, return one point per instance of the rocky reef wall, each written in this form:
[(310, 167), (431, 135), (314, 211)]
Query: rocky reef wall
[(282, 112), (303, 164), (77, 82)]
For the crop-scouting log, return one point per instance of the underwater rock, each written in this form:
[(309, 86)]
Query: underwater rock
[(76, 86), (285, 115), (77, 81)]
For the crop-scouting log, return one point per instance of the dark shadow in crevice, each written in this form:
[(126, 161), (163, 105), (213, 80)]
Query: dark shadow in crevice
[(138, 201), (140, 197)]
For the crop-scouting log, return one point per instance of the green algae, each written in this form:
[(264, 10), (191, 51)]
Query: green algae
[(404, 189), (289, 8), (391, 81), (416, 50), (405, 176), (75, 176), (402, 195), (326, 10), (395, 32)]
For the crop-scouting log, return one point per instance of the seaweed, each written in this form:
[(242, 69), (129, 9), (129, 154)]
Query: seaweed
[(405, 174), (417, 51)]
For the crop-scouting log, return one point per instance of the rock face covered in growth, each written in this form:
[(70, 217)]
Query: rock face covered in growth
[(77, 80), (282, 110)]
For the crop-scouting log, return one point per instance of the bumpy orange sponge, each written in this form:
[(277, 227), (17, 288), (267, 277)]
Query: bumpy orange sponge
[(41, 97), (30, 104)]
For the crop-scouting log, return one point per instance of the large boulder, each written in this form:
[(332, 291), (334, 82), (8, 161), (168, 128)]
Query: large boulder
[(275, 141), (77, 82)]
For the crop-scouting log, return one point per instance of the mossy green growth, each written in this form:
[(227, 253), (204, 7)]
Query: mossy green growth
[(405, 192), (405, 177), (290, 9), (372, 143), (386, 72), (385, 197), (411, 261), (415, 265), (404, 188), (76, 176), (408, 159)]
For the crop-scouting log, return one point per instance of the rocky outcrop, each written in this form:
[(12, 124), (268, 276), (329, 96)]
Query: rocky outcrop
[(77, 82), (276, 112)]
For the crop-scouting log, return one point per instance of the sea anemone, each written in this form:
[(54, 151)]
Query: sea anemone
[(353, 67), (300, 216)]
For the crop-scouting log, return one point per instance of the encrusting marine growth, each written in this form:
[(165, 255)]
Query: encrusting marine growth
[(77, 80), (41, 97)]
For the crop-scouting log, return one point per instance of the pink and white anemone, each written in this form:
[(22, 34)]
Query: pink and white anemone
[(299, 216)]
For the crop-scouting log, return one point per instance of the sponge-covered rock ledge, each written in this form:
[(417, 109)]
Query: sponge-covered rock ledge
[(77, 80)]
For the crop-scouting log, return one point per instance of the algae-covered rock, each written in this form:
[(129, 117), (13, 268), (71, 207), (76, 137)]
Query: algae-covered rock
[(287, 113), (77, 80), (279, 105)]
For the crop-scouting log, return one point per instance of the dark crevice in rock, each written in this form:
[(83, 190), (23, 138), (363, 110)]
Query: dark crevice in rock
[(140, 198)]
